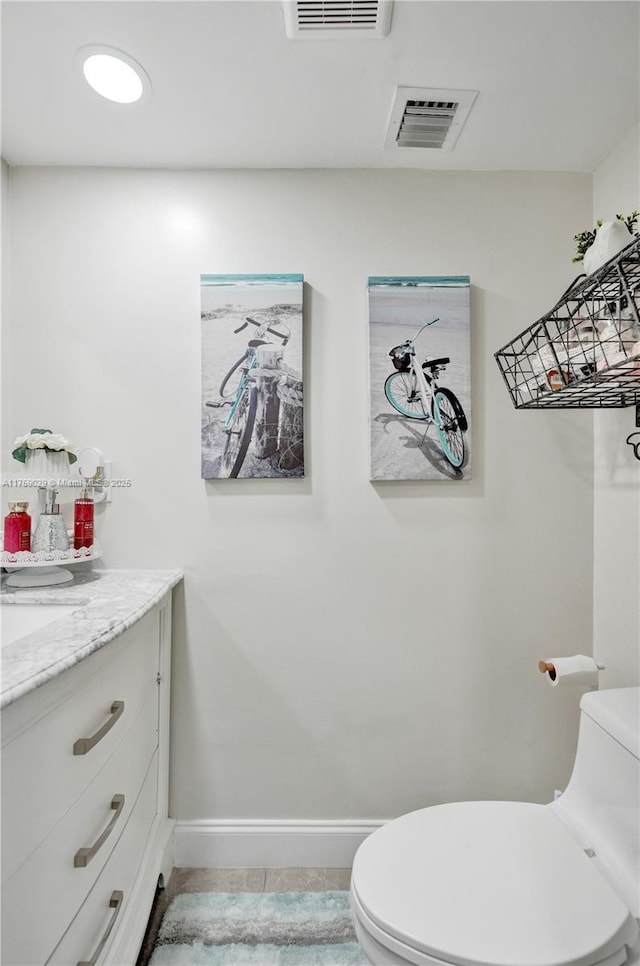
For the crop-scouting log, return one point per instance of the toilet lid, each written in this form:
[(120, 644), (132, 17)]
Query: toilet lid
[(488, 884)]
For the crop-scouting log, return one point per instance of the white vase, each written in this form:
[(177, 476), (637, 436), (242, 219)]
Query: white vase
[(49, 468)]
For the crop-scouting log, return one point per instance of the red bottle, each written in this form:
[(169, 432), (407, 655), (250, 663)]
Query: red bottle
[(83, 522), (17, 528)]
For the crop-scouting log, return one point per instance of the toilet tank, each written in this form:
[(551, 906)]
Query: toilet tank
[(601, 804)]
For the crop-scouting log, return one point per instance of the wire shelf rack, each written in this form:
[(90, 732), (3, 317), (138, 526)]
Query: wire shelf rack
[(585, 352)]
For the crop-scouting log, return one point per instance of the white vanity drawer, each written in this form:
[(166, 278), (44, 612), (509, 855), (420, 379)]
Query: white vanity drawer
[(47, 889), (40, 786), (98, 918)]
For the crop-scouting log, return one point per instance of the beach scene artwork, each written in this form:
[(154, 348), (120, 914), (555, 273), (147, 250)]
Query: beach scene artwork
[(252, 376), (432, 313)]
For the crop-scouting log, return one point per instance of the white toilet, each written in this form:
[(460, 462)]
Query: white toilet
[(513, 883)]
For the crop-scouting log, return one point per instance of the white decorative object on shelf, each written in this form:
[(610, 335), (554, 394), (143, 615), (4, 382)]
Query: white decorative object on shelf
[(611, 238)]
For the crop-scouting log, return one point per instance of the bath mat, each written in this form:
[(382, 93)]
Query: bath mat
[(257, 929)]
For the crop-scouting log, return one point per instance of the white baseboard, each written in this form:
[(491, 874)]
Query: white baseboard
[(270, 844)]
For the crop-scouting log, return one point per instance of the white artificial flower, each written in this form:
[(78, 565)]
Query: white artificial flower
[(55, 441), (52, 441), (37, 441)]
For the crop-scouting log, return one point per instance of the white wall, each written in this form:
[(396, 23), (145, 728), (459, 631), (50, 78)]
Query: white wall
[(616, 190), (343, 649), (5, 339)]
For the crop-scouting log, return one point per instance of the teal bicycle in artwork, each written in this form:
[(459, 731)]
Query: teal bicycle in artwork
[(239, 391), (413, 391)]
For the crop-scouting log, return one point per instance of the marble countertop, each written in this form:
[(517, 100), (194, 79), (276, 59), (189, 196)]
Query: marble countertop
[(109, 602)]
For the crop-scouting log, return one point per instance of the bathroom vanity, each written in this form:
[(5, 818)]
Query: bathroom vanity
[(85, 728)]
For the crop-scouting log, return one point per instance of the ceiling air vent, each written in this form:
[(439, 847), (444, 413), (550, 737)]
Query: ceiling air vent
[(336, 19), (422, 118)]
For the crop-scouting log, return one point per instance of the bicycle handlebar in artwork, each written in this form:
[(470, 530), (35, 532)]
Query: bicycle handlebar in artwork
[(267, 328)]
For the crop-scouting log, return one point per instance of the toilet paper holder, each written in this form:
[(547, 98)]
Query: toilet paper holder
[(547, 667)]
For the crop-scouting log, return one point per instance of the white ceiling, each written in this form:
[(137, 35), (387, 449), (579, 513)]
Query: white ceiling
[(558, 82)]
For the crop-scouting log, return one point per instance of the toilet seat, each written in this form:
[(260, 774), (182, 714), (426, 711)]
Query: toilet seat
[(487, 884)]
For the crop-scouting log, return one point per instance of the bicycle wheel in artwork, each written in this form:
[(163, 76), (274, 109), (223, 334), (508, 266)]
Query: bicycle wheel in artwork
[(252, 378), (420, 377)]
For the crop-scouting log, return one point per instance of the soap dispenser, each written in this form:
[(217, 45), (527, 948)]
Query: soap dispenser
[(51, 532)]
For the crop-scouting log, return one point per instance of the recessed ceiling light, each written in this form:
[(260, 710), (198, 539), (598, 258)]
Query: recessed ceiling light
[(114, 75)]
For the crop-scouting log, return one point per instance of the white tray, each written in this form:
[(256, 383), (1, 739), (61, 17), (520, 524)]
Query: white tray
[(48, 558)]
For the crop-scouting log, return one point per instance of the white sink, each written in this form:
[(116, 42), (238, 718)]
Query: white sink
[(17, 620)]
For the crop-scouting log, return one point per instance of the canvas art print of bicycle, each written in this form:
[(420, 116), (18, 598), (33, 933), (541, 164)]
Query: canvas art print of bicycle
[(252, 380), (420, 378)]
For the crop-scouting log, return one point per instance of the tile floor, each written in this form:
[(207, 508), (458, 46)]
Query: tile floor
[(238, 880)]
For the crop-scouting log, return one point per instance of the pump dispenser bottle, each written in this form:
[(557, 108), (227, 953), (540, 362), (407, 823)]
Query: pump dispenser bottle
[(51, 532), (83, 521)]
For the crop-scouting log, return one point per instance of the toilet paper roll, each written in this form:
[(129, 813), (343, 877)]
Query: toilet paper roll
[(578, 669)]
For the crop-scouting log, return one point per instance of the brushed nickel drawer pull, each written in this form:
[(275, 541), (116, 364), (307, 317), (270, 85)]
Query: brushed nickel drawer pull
[(84, 856), (83, 745), (115, 902)]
